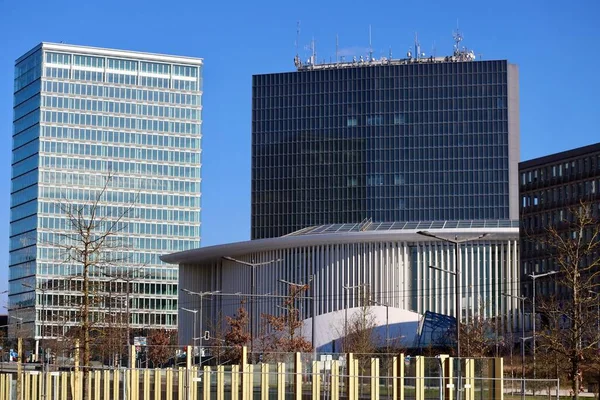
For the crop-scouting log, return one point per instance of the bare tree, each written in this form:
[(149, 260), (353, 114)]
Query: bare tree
[(216, 340), (238, 334), (361, 336), (477, 336), (285, 328), (161, 344), (92, 241), (569, 330)]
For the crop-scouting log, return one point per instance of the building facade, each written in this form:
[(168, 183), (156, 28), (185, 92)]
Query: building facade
[(119, 128), (391, 259), (384, 140), (549, 187)]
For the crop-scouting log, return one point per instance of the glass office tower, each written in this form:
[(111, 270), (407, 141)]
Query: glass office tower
[(85, 118), (384, 140), (551, 187)]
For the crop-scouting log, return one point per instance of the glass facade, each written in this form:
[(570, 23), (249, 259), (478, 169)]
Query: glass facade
[(550, 187), (399, 142), (82, 115)]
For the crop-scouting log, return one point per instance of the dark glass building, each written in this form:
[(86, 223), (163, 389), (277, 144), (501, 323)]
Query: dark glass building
[(402, 140), (550, 187)]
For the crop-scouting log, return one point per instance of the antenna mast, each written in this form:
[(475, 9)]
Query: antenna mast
[(337, 45), (370, 46), (297, 36), (297, 61), (417, 47)]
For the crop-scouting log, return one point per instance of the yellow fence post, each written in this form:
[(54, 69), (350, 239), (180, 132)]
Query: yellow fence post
[(157, 384), (8, 387), (280, 381), (71, 383), (264, 381), (235, 382), (469, 379), (64, 377), (116, 384), (375, 378), (76, 377), (244, 381), (335, 380), (206, 382), (97, 381), (48, 387), (146, 384), (130, 385), (220, 383), (250, 382), (19, 369), (169, 388), (419, 378), (25, 392), (298, 376), (90, 381), (356, 379), (106, 384), (316, 380), (181, 388)]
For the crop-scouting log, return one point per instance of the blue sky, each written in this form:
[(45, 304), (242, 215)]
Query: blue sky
[(555, 44)]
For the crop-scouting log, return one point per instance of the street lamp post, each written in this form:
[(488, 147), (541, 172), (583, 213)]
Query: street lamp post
[(201, 295), (457, 295), (253, 290), (523, 338), (533, 343), (194, 337)]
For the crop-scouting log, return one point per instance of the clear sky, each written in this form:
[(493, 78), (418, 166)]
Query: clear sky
[(555, 43)]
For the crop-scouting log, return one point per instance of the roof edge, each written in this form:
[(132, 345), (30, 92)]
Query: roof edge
[(138, 55)]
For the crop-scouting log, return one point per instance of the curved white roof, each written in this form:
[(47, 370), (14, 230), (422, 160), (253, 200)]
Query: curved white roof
[(304, 238)]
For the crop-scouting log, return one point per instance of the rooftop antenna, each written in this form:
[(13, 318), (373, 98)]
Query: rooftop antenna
[(297, 61), (337, 45), (297, 36), (314, 51), (417, 47), (457, 38), (370, 46)]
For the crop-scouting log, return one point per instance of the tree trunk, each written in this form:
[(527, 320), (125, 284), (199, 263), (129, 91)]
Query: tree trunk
[(86, 326)]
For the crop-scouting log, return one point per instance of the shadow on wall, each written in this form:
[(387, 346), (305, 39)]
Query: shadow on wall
[(401, 327)]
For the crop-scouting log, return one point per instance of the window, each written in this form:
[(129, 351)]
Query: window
[(399, 119)]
